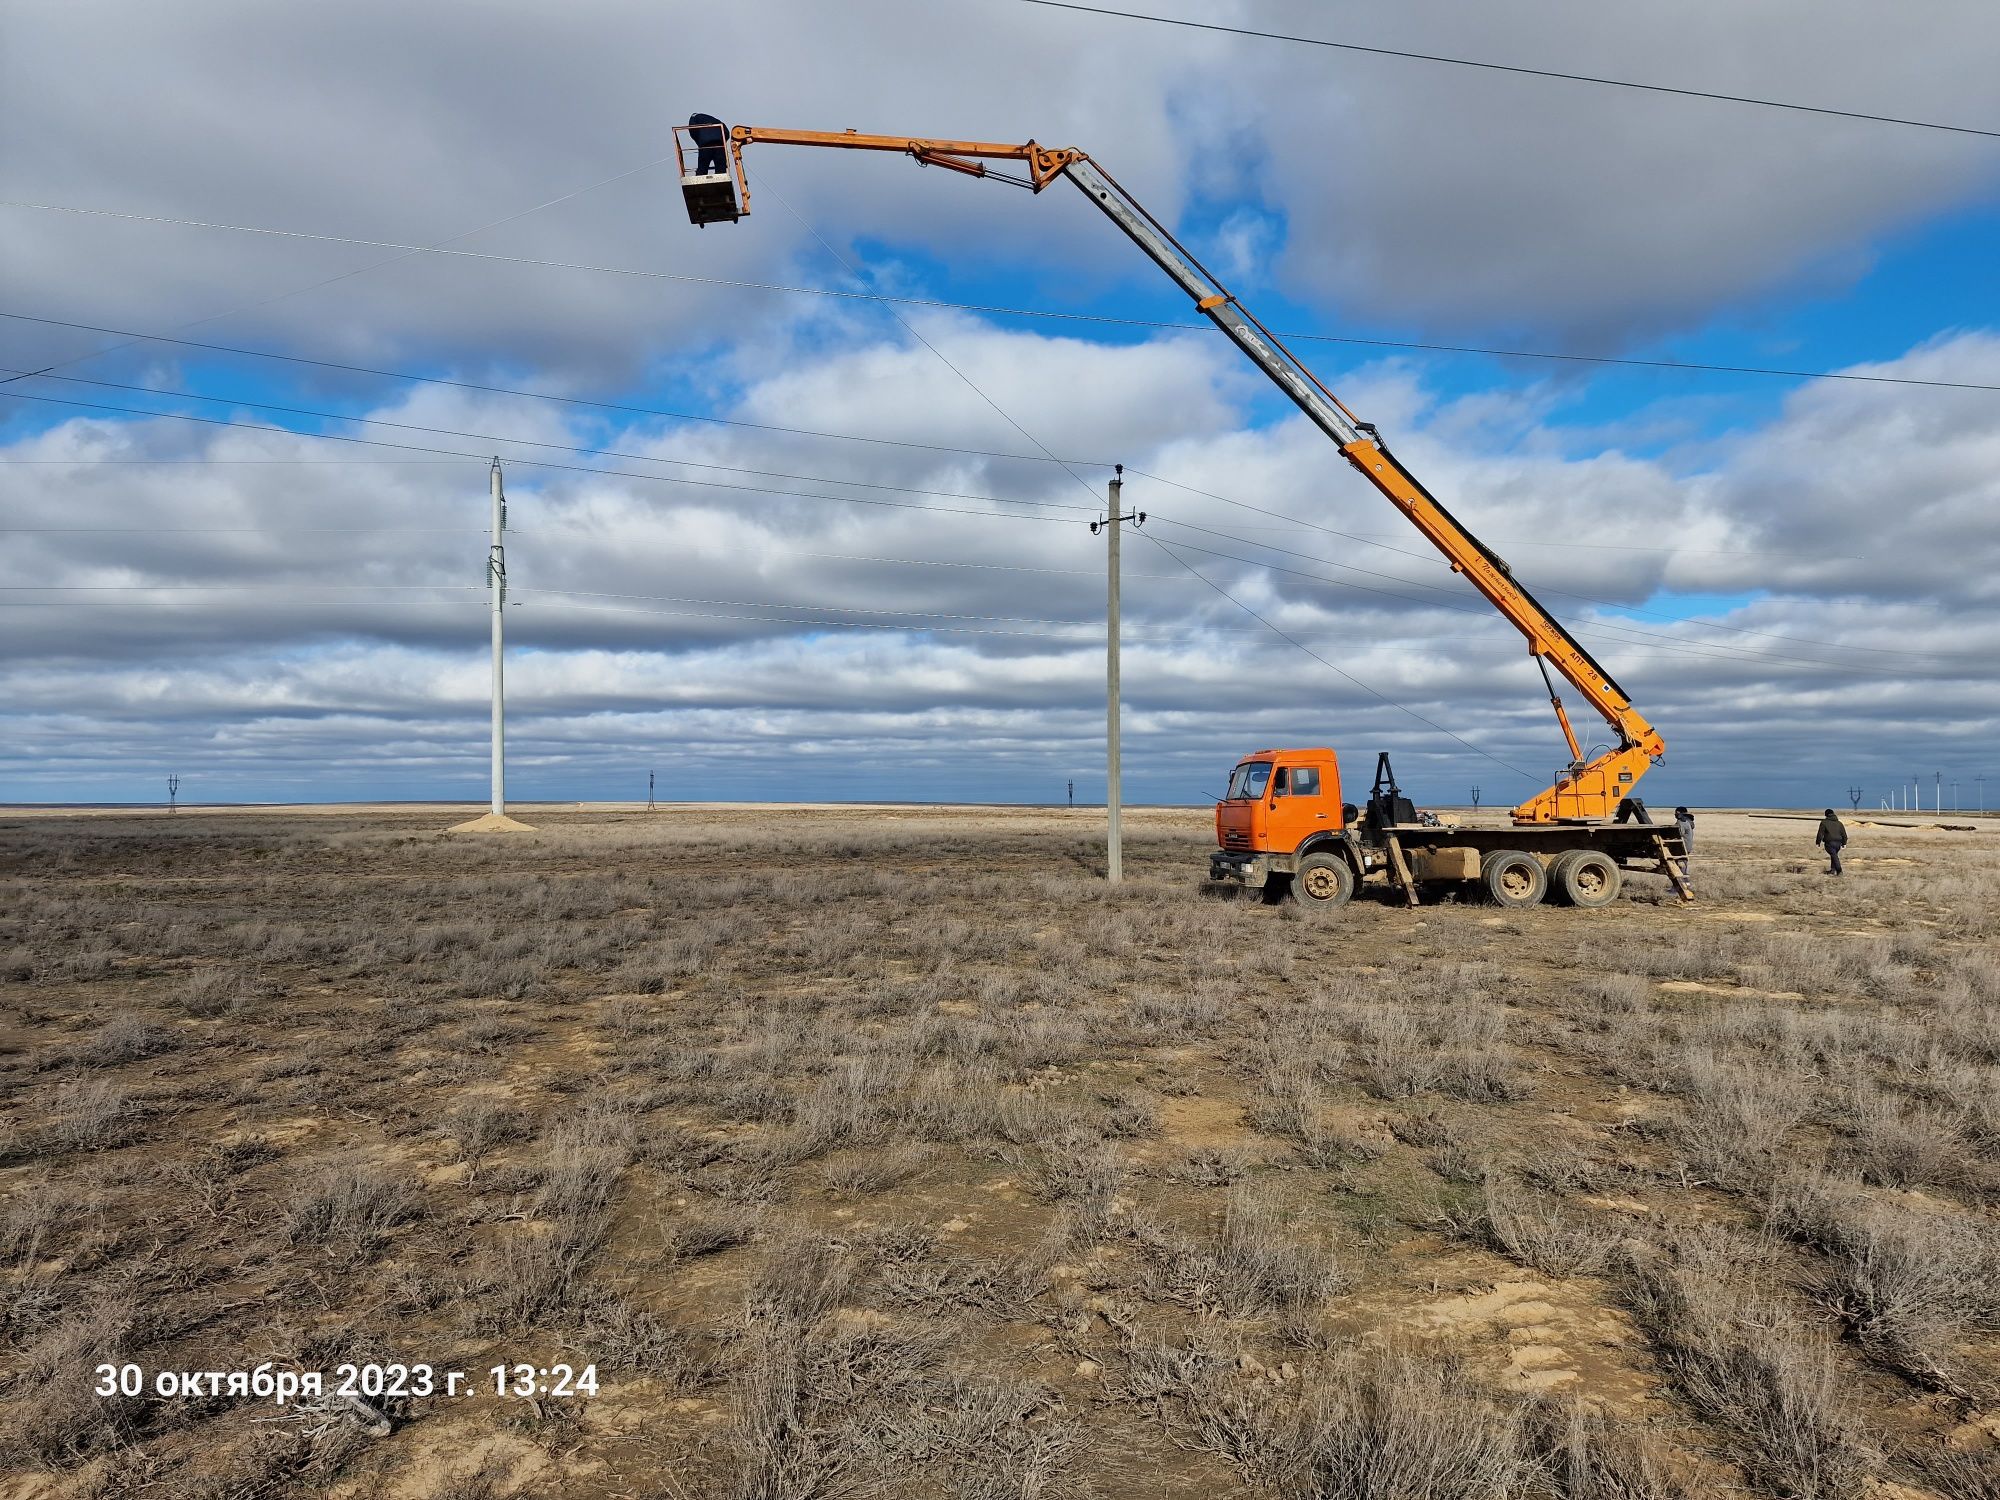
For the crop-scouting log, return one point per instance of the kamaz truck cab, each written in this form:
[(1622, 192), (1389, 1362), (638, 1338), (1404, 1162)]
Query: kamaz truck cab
[(1282, 817)]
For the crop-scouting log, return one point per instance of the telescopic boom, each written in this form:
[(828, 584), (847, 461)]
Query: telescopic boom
[(1589, 789)]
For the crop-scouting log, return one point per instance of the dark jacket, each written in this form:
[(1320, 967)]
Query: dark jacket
[(1831, 831), (707, 131)]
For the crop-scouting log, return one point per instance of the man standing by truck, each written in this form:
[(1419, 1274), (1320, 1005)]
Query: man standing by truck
[(1832, 834)]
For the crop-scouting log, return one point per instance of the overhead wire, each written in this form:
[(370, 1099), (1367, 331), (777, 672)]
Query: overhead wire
[(867, 500), (1716, 651), (911, 329), (1561, 593), (543, 463), (551, 396), (407, 252), (1486, 65), (489, 437), (942, 494), (998, 310), (585, 451), (1337, 670)]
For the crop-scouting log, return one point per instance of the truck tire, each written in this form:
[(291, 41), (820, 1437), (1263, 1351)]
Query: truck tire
[(1513, 877), (1324, 881), (1585, 877)]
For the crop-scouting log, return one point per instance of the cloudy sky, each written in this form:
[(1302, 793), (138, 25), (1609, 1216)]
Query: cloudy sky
[(771, 543)]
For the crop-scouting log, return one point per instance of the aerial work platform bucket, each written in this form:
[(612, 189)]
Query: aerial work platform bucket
[(711, 172), (711, 198)]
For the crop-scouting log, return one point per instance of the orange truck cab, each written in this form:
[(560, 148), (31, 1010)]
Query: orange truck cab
[(1281, 807)]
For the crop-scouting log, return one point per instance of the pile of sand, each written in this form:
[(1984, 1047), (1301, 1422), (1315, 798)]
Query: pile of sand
[(491, 823)]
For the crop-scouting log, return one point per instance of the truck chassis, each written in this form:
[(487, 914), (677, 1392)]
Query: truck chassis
[(1415, 859), (1523, 864)]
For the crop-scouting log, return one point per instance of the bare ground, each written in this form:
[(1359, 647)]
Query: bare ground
[(887, 1152)]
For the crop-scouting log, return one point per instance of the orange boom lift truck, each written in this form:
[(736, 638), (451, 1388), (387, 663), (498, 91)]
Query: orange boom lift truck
[(1282, 827)]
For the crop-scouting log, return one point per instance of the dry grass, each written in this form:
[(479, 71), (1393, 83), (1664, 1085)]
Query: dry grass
[(347, 1209), (1749, 1364), (1914, 1287), (890, 1153), (1536, 1229)]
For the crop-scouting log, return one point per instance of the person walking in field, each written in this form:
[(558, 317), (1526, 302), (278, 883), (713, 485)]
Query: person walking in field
[(1684, 821), (1832, 834)]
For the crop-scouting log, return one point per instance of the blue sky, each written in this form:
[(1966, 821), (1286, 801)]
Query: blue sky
[(1776, 563)]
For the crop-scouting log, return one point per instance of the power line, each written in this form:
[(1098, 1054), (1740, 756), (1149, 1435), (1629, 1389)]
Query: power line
[(848, 499), (1712, 650), (910, 329), (850, 609), (997, 310), (685, 614), (407, 252), (1339, 671), (490, 437), (209, 588), (244, 530), (1201, 633), (502, 390), (1562, 593), (169, 462), (934, 562), (198, 603), (543, 463), (1496, 67), (900, 489), (851, 499)]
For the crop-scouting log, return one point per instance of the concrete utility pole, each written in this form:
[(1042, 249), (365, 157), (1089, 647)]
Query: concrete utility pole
[(496, 820), (1937, 794), (1113, 796), (496, 576)]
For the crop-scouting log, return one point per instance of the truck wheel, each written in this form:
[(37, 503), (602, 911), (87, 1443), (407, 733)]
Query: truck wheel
[(1586, 878), (1513, 877), (1323, 880)]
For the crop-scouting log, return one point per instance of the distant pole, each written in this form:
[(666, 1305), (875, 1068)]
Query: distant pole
[(496, 577), (173, 791), (1113, 792), (1475, 799), (649, 793), (1980, 782), (1115, 851), (1854, 798), (1937, 793), (1072, 794)]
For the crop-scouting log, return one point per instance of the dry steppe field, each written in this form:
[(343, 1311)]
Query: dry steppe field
[(889, 1153)]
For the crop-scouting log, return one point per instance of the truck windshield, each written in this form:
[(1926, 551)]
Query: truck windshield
[(1247, 781)]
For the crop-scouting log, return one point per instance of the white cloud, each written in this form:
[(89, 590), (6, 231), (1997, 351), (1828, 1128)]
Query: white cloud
[(283, 691), (1458, 200)]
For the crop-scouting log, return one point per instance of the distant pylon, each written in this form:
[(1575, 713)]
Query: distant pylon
[(650, 807)]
